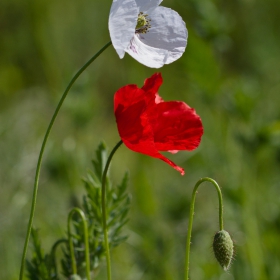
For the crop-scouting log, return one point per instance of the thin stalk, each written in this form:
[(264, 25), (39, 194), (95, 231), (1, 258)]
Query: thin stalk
[(71, 247), (53, 256), (192, 214), (104, 214), (39, 163)]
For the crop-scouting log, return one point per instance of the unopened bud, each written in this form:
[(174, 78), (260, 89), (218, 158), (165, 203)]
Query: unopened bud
[(223, 248)]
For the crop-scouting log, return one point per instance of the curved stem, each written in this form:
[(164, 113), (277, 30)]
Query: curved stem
[(191, 218), (71, 247), (36, 182), (53, 258), (104, 214)]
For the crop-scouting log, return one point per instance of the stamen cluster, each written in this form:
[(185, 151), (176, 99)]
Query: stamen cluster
[(143, 23)]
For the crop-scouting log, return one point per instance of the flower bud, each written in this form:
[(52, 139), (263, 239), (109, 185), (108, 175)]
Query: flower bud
[(223, 248)]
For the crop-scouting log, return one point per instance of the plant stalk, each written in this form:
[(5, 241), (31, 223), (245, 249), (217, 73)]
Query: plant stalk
[(39, 163)]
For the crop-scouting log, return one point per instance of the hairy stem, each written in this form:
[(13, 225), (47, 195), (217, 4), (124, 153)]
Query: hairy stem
[(104, 214), (191, 218), (71, 247), (39, 163), (53, 256)]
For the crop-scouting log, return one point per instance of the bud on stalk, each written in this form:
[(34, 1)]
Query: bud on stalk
[(223, 248)]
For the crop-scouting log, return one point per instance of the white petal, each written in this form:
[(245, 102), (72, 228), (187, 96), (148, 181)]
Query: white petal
[(145, 5), (149, 56), (122, 22), (168, 31)]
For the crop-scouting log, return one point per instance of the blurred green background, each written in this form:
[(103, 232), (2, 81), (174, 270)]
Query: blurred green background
[(229, 74)]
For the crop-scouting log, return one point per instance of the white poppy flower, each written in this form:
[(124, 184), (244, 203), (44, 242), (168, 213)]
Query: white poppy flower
[(152, 34)]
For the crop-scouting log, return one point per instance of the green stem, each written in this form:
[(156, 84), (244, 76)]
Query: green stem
[(38, 168), (71, 247), (53, 250), (104, 214), (192, 214)]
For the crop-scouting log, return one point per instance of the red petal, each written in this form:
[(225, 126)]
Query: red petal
[(128, 95), (176, 126), (129, 108), (153, 83), (148, 125)]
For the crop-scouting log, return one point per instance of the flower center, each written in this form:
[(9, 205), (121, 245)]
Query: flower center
[(143, 23)]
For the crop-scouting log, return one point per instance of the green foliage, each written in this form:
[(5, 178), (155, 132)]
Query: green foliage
[(41, 266)]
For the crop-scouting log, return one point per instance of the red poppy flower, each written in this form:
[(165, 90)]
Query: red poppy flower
[(148, 125)]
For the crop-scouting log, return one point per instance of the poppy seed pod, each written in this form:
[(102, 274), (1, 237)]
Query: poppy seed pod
[(223, 248)]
